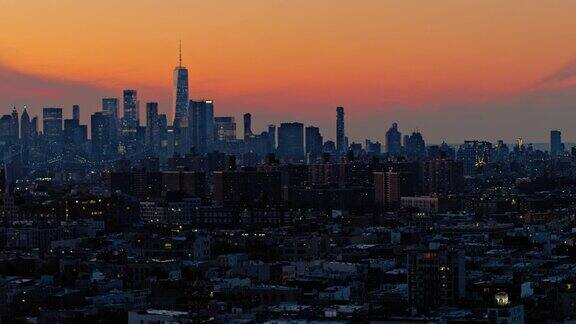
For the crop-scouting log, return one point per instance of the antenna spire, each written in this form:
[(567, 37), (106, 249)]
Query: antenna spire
[(180, 54)]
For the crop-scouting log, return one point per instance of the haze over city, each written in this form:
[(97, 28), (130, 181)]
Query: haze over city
[(453, 70)]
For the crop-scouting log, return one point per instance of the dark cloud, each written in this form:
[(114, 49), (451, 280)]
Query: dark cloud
[(564, 73), (18, 88)]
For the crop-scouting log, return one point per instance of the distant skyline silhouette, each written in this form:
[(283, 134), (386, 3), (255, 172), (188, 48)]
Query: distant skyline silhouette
[(455, 71)]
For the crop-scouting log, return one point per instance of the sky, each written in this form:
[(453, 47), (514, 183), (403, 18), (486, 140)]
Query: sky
[(452, 69)]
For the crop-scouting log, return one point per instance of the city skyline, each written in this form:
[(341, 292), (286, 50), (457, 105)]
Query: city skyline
[(485, 80)]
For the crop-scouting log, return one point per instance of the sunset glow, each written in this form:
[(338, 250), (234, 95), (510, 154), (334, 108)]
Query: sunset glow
[(284, 60)]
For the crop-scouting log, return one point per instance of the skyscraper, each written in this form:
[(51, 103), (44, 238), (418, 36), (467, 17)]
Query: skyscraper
[(152, 140), (7, 130), (247, 126), (201, 117), (131, 109), (272, 137), (130, 121), (52, 124), (102, 146), (75, 135), (110, 107), (313, 142), (291, 141), (340, 131), (25, 128), (180, 96), (556, 146), (34, 126), (393, 141), (415, 146), (76, 112), (15, 125)]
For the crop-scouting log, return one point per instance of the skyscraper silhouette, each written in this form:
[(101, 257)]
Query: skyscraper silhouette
[(131, 109), (52, 125), (556, 146), (340, 132), (15, 125), (247, 126), (76, 112), (314, 142), (201, 115), (152, 137), (393, 141), (291, 141), (180, 96), (25, 128)]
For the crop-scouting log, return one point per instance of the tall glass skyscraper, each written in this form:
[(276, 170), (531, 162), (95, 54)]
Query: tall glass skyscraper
[(76, 112), (131, 111), (110, 107), (52, 122), (201, 117), (291, 141), (340, 134), (394, 141), (130, 122), (180, 96)]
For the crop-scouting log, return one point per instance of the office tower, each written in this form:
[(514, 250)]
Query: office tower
[(102, 146), (247, 126), (393, 138), (131, 109), (25, 128), (201, 118), (436, 277), (225, 129), (340, 131), (130, 121), (6, 130), (34, 126), (152, 139), (313, 143), (15, 125), (110, 107), (556, 146), (75, 135), (291, 141), (272, 137), (180, 87), (163, 137), (76, 112), (442, 176), (474, 155), (415, 147), (52, 124)]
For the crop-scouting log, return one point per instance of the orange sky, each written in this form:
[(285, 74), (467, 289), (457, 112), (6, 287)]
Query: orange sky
[(295, 58)]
